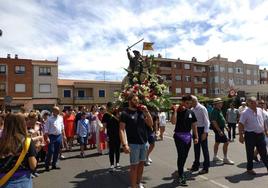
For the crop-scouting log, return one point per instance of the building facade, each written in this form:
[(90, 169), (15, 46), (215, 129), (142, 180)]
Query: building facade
[(28, 83), (45, 82), (264, 76), (75, 93), (184, 77), (224, 75)]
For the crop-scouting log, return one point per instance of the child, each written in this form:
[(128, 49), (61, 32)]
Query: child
[(83, 132)]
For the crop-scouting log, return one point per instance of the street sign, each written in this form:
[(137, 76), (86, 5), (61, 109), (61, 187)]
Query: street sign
[(8, 99)]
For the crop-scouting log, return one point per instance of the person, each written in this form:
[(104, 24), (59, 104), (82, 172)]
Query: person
[(93, 119), (252, 131), (83, 132), (133, 135), (69, 127), (218, 126), (2, 120), (184, 120), (102, 146), (54, 132), (12, 143), (242, 108), (232, 117), (110, 122), (162, 123), (203, 123), (151, 133)]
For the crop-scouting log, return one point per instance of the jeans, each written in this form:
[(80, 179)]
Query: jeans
[(114, 149), (137, 153), (24, 181), (182, 150), (255, 139), (204, 145), (53, 149), (232, 127)]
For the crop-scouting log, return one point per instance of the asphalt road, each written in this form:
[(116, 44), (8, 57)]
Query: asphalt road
[(92, 171)]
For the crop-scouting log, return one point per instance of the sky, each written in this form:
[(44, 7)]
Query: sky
[(90, 37)]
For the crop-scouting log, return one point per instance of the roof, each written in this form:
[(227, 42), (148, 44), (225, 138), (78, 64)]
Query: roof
[(67, 82)]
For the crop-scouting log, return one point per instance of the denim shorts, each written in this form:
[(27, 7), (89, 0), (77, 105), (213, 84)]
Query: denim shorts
[(24, 181), (137, 153)]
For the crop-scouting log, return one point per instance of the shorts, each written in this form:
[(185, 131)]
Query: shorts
[(151, 138), (220, 139), (137, 153), (83, 140)]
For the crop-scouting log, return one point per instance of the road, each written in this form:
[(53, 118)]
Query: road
[(92, 171)]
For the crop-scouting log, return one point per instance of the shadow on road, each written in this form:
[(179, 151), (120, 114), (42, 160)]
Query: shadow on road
[(243, 177), (256, 165)]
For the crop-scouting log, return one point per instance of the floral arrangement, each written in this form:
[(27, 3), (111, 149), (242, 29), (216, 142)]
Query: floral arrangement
[(149, 86)]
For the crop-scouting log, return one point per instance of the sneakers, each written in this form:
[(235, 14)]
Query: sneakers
[(62, 157), (82, 155), (203, 171), (117, 166), (217, 159), (147, 163), (228, 161), (140, 185), (111, 169), (150, 160), (182, 181)]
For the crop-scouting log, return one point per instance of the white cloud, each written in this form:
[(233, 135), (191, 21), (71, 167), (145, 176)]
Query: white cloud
[(93, 36)]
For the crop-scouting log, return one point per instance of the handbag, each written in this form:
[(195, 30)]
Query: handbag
[(25, 149)]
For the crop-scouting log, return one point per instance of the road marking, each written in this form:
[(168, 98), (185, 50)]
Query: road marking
[(204, 177)]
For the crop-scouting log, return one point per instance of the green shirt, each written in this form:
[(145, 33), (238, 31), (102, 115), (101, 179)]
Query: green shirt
[(216, 115)]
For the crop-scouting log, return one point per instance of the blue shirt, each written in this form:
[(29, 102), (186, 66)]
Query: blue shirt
[(82, 127)]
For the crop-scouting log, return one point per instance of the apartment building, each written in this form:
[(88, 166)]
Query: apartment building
[(184, 77), (28, 83), (224, 74), (16, 82), (45, 83), (75, 93), (264, 76)]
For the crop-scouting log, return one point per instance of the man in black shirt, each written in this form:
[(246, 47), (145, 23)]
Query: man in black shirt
[(133, 122), (185, 121), (110, 121)]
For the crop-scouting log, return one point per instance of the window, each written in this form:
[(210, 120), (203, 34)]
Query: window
[(239, 70), (187, 90), (255, 82), (204, 91), (248, 82), (66, 93), (81, 93), (178, 77), (2, 87), (215, 79), (222, 80), (195, 91), (222, 69), (45, 88), (255, 73), (248, 71), (178, 90), (2, 69), (188, 78), (101, 93), (187, 66), (45, 71), (20, 69), (214, 68), (230, 70), (20, 88), (204, 80)]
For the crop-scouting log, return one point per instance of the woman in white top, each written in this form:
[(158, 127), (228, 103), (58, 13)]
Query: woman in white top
[(162, 123)]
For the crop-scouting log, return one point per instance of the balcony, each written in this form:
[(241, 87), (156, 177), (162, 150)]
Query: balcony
[(83, 98)]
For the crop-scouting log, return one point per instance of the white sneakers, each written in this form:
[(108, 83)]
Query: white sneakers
[(225, 160), (228, 161), (217, 159)]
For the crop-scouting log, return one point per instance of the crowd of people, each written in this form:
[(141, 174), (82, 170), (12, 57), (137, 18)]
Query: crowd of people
[(29, 138)]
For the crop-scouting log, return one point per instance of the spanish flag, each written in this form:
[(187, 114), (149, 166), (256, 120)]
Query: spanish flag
[(148, 46)]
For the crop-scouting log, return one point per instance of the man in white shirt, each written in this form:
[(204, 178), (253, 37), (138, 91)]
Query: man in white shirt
[(252, 131), (203, 122), (54, 132)]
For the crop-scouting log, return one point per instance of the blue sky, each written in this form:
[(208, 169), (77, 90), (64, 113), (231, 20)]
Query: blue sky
[(90, 37)]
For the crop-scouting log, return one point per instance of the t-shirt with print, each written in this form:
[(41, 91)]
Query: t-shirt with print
[(216, 115), (185, 119), (24, 165), (112, 126), (135, 126)]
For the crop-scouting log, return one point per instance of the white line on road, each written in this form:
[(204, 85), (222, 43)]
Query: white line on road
[(204, 177)]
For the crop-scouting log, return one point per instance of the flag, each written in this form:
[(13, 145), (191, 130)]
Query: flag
[(148, 46)]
